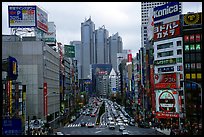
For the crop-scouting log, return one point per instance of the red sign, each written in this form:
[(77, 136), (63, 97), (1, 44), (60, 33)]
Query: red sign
[(192, 38), (167, 115), (45, 98), (186, 38), (129, 57), (197, 37), (166, 81), (166, 99), (166, 31)]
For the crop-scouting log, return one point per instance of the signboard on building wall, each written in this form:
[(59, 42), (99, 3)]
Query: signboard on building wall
[(42, 19), (192, 19), (167, 31), (50, 36), (69, 51), (11, 127), (167, 80), (27, 16), (22, 16), (165, 11), (45, 98)]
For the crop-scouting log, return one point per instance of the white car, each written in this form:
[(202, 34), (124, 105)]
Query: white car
[(59, 133)]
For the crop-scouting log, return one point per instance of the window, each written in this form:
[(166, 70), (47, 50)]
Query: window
[(164, 54), (192, 65), (186, 47), (187, 57), (186, 38), (187, 76), (197, 47), (197, 37), (193, 76), (192, 47), (179, 60), (187, 66), (192, 57), (178, 43), (198, 65), (179, 68), (199, 75), (198, 57), (179, 52), (166, 45), (192, 38)]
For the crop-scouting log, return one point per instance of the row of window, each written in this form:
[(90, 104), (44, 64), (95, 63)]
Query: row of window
[(193, 76), (192, 66), (192, 38), (191, 47), (168, 45), (168, 53), (192, 57)]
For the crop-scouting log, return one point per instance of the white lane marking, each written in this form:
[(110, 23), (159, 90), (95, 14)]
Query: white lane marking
[(98, 131)]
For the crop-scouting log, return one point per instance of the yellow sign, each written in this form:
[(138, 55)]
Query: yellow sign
[(192, 19)]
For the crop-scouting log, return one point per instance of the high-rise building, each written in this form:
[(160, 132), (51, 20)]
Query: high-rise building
[(78, 56), (115, 46), (88, 47), (145, 6), (101, 37)]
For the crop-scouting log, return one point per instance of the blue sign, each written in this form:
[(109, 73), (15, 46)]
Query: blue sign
[(22, 16), (12, 68), (11, 127), (114, 89), (168, 10)]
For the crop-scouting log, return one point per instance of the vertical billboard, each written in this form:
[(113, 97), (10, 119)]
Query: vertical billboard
[(42, 19), (50, 36), (45, 98), (27, 16), (69, 51)]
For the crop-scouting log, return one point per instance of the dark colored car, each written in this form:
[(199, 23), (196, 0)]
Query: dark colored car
[(83, 124), (143, 124)]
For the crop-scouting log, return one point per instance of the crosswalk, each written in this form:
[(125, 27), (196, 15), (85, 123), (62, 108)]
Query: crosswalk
[(101, 124)]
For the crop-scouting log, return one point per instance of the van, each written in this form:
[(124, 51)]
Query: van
[(111, 125)]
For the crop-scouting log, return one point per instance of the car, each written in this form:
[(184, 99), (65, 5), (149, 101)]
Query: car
[(83, 124), (131, 124), (59, 133), (125, 132), (90, 125), (143, 125), (111, 125), (121, 128), (92, 115)]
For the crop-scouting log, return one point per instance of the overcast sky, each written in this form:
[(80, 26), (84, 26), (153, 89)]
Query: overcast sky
[(121, 17)]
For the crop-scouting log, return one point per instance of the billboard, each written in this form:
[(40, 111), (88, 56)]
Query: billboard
[(69, 51), (167, 80), (167, 31), (22, 16), (27, 16), (42, 19), (192, 19), (45, 98), (165, 11), (11, 127), (50, 36)]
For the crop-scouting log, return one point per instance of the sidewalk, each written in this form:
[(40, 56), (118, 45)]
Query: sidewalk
[(164, 131)]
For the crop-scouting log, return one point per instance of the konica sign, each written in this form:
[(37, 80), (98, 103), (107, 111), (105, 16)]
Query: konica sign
[(168, 10)]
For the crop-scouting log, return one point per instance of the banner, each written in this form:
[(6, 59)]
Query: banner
[(45, 98)]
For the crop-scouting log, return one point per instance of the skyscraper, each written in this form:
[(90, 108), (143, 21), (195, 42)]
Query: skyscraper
[(115, 46), (101, 37), (145, 6), (88, 46)]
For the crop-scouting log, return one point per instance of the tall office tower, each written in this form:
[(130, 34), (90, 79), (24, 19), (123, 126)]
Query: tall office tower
[(101, 37), (145, 6), (78, 56), (88, 46), (115, 46)]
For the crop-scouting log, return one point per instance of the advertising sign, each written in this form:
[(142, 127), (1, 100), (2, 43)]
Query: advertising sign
[(69, 51), (166, 115), (27, 16), (169, 80), (168, 10), (22, 16), (42, 19), (192, 19), (12, 68), (150, 26), (11, 127), (50, 36), (166, 101), (165, 61), (45, 98), (167, 31)]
